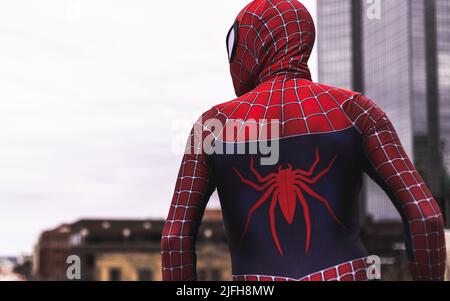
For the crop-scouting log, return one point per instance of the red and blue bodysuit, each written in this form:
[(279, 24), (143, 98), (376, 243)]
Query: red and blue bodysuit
[(297, 219)]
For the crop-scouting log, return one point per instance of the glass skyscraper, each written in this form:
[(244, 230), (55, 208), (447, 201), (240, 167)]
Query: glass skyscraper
[(443, 48), (402, 62), (335, 42)]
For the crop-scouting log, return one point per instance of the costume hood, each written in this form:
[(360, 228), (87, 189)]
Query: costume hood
[(269, 37)]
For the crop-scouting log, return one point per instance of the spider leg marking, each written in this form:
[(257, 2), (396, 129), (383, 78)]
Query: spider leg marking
[(307, 216), (320, 199), (320, 175), (273, 205), (257, 174), (258, 204), (313, 167), (254, 185)]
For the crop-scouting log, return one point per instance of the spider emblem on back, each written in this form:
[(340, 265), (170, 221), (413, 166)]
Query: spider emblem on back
[(285, 187)]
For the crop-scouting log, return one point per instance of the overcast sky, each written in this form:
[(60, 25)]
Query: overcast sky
[(94, 98)]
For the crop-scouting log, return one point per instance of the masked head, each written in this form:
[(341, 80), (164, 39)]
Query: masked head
[(269, 37)]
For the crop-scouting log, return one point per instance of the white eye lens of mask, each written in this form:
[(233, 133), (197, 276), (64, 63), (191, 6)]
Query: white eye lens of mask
[(230, 43), (232, 39)]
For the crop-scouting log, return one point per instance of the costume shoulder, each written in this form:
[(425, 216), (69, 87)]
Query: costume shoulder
[(340, 95)]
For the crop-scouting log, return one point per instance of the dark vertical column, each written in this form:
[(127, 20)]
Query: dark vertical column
[(435, 170), (358, 77), (357, 45)]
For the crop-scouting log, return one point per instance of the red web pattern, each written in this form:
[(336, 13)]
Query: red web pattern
[(398, 176), (274, 36), (300, 108), (192, 191), (383, 150), (381, 145), (356, 270)]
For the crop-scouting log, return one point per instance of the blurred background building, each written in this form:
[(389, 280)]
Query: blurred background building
[(125, 250), (398, 54), (129, 250)]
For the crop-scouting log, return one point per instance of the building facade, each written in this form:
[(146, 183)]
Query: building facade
[(50, 254), (443, 49), (126, 250), (129, 250)]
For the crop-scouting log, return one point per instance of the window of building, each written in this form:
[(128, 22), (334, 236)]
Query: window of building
[(216, 275), (145, 275), (202, 275), (90, 260), (115, 274)]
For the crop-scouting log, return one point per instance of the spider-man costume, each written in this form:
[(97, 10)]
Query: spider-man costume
[(298, 219)]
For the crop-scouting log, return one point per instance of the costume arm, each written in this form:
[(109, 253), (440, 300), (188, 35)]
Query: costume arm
[(193, 189), (389, 166)]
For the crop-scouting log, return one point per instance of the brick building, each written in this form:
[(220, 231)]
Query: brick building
[(125, 250)]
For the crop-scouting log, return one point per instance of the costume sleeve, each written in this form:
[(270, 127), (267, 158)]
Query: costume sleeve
[(389, 166), (193, 189)]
